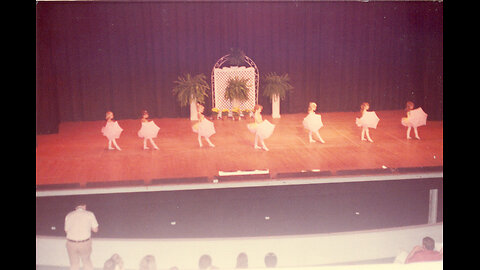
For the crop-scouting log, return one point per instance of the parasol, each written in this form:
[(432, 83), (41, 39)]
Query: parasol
[(369, 119), (417, 117)]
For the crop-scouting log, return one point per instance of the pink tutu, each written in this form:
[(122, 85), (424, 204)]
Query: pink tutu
[(112, 130), (148, 130), (204, 128), (369, 119), (263, 130), (415, 118), (313, 122)]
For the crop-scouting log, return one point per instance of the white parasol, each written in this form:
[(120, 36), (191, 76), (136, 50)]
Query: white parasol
[(417, 117), (369, 119)]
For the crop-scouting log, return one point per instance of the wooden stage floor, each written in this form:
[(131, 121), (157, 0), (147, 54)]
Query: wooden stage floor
[(78, 153)]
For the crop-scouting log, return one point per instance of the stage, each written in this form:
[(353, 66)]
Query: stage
[(78, 156)]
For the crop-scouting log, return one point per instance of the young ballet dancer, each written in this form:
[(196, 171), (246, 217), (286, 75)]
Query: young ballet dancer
[(415, 118), (203, 127), (112, 131), (261, 128), (313, 122), (367, 120), (148, 131)]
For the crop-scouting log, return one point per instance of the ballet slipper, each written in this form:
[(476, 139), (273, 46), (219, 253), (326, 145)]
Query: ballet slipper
[(154, 145), (200, 141), (367, 133), (264, 147), (116, 145), (320, 138), (256, 147), (209, 142), (368, 137), (416, 133)]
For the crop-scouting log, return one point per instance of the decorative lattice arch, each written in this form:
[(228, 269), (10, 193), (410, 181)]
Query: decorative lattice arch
[(220, 76)]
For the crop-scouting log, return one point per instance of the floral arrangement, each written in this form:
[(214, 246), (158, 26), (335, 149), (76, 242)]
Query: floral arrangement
[(224, 113), (215, 112), (245, 112), (236, 113)]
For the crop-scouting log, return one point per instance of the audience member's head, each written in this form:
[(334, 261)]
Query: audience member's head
[(114, 263), (205, 262), (148, 263), (428, 243), (270, 260), (242, 260), (109, 265)]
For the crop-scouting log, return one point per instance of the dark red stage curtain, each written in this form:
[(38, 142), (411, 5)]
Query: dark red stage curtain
[(94, 57), (47, 110)]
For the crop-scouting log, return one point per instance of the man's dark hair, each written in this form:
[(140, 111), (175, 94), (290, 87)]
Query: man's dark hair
[(204, 262), (428, 243), (270, 260)]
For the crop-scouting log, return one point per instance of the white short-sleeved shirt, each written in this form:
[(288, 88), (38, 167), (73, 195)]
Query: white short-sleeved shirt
[(79, 224)]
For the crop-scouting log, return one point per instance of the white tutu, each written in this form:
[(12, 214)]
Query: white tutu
[(112, 130), (313, 122), (252, 127), (369, 119), (148, 130), (263, 130), (415, 118), (405, 122), (204, 128)]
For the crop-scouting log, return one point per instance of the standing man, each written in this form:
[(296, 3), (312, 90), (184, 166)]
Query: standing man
[(78, 225)]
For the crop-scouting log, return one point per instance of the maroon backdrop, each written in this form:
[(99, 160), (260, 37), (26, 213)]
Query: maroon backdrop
[(94, 57)]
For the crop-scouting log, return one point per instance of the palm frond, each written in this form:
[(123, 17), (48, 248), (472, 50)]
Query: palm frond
[(237, 89), (236, 57), (276, 85), (188, 88)]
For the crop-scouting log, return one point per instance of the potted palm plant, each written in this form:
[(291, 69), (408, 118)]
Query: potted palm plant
[(190, 90), (236, 57), (276, 87), (237, 91)]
